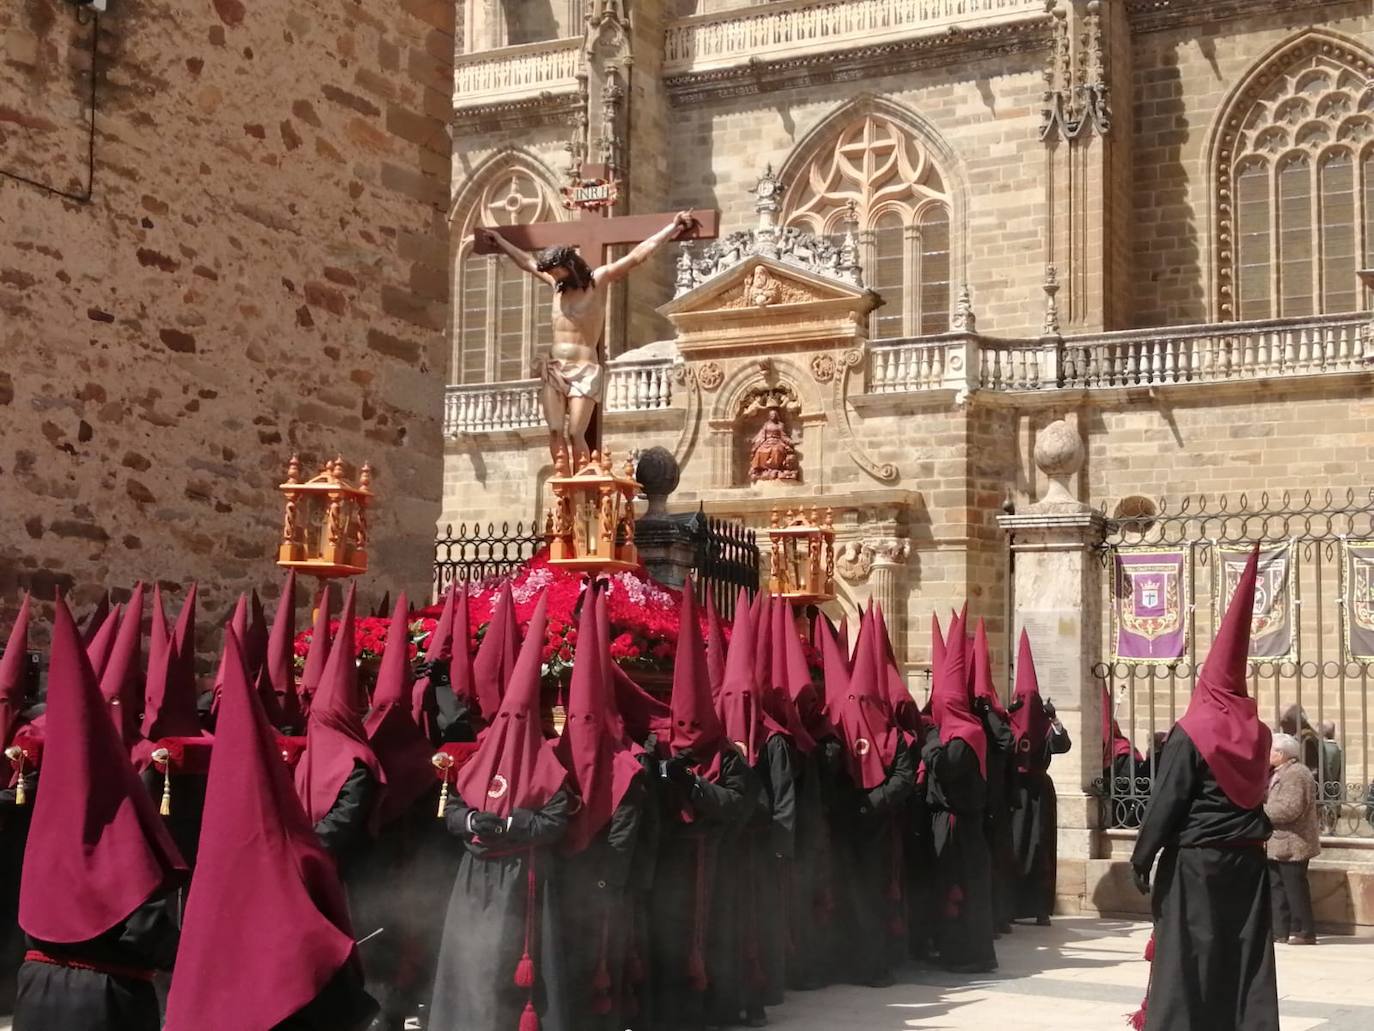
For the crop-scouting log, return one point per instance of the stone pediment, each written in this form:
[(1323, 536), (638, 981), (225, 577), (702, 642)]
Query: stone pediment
[(767, 300)]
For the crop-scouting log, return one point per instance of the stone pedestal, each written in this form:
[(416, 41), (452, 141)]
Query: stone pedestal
[(668, 546), (1058, 601)]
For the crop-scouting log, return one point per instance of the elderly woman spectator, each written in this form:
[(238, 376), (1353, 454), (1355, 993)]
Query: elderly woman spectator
[(1292, 808)]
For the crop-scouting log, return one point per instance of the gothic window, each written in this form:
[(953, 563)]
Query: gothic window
[(881, 172), (502, 314), (1295, 173)]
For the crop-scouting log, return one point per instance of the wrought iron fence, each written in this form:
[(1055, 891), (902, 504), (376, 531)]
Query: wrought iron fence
[(475, 553), (1319, 689), (726, 556)]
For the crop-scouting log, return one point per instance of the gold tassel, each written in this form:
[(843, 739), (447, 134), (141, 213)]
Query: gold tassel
[(443, 762), (163, 758), (15, 754)]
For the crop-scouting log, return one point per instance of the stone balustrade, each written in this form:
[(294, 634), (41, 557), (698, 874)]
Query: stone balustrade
[(518, 72), (1214, 353), (963, 362), (492, 407), (901, 366), (1219, 353), (792, 27), (640, 386)]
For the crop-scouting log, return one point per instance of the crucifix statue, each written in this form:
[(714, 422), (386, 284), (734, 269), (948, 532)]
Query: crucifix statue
[(572, 376)]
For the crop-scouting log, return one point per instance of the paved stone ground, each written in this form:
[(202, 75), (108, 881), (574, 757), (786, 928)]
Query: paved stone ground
[(1079, 975)]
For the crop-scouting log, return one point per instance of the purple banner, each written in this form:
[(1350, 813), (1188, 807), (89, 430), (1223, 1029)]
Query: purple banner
[(1150, 595), (1359, 600), (1271, 626)]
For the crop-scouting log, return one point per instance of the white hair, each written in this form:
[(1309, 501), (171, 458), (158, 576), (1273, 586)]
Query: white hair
[(1286, 745)]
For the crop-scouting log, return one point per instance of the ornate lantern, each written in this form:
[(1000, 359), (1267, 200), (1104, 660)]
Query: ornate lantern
[(803, 567), (591, 526), (325, 529)]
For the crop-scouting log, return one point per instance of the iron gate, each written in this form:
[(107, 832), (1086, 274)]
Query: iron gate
[(1318, 691)]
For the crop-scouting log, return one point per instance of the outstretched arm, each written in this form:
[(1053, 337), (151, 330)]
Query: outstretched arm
[(522, 259), (620, 268)]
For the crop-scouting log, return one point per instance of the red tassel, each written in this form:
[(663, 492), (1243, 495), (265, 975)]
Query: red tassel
[(524, 974), (601, 1005), (1150, 950), (529, 1020), (601, 980), (1137, 1019), (896, 926)]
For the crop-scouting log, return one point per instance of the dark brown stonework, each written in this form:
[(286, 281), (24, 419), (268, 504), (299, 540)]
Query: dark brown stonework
[(254, 273)]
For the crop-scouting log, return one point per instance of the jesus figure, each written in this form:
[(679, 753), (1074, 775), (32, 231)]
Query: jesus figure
[(573, 375)]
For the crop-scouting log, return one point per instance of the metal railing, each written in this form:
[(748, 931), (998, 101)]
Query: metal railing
[(727, 559), (726, 556), (791, 27), (1321, 692)]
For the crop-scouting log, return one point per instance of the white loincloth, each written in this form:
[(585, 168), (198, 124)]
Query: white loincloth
[(574, 378)]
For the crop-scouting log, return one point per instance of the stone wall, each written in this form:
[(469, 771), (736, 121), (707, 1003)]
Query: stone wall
[(1181, 79), (261, 268)]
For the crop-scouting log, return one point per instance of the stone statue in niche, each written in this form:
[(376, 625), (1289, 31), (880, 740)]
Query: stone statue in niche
[(773, 452)]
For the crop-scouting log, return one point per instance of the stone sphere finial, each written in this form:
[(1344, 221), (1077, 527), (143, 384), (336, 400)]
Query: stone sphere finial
[(1058, 454), (658, 473)]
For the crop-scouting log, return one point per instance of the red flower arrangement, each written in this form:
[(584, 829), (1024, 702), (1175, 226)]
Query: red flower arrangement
[(643, 617)]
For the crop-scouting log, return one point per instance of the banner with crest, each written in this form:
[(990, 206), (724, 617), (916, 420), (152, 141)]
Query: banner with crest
[(1358, 599), (1150, 598), (1273, 633)]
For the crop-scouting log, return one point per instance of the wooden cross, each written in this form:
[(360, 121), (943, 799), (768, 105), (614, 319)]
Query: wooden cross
[(593, 233)]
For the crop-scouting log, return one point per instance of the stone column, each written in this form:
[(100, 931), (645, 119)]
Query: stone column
[(1058, 601)]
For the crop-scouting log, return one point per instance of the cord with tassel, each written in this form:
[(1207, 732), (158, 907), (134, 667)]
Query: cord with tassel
[(442, 762), (524, 970), (15, 754), (162, 758), (1137, 1019)]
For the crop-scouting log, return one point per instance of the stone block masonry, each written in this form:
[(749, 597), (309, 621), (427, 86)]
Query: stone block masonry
[(260, 268)]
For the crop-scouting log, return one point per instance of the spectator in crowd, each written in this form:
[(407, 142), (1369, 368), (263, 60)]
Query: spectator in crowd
[(1333, 775), (1291, 806)]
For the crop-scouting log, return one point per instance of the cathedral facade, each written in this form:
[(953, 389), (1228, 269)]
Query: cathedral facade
[(1107, 261)]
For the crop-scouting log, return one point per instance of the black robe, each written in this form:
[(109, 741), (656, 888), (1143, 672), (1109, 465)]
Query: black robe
[(14, 835), (747, 961), (1214, 954), (345, 830), (341, 1005), (594, 890), (637, 999), (393, 888), (116, 996), (684, 883), (187, 808), (809, 880), (957, 796), (921, 911), (997, 823), (1035, 833), (450, 719), (865, 836), (484, 929)]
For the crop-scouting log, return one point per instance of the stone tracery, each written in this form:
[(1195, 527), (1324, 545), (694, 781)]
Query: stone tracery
[(1294, 162)]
